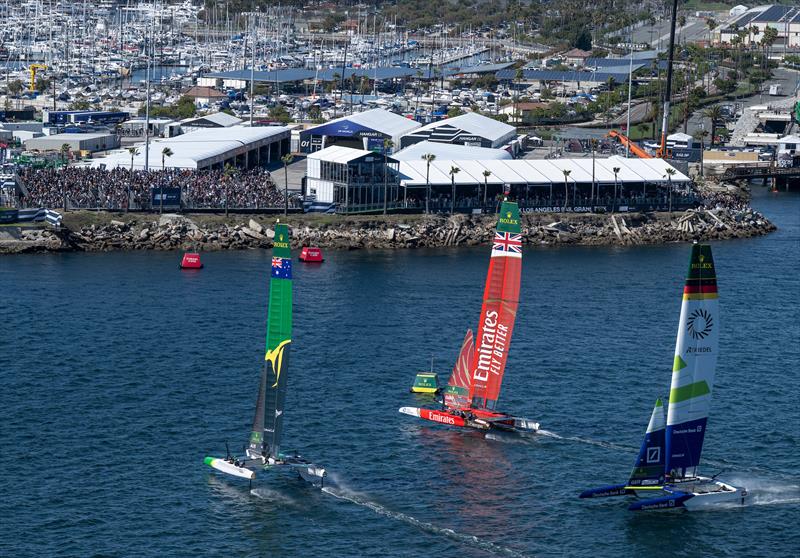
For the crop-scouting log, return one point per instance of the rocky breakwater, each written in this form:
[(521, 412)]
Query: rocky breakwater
[(173, 232)]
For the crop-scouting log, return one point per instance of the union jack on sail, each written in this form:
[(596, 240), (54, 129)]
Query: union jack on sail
[(509, 243)]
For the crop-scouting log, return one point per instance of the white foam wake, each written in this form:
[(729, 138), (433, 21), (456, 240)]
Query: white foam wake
[(766, 492), (469, 540), (274, 496)]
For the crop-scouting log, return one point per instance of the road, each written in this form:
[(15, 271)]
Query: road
[(788, 80)]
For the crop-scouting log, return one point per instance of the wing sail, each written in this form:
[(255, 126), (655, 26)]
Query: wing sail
[(279, 339), (695, 362), (500, 302)]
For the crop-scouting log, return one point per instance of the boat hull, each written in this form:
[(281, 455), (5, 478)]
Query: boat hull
[(230, 468), (473, 418), (695, 494)]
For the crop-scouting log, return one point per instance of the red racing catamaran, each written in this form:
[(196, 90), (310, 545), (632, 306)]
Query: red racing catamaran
[(470, 398)]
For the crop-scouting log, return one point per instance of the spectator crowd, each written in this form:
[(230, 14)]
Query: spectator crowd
[(118, 189)]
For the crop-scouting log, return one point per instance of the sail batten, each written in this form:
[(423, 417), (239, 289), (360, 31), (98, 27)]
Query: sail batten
[(696, 351), (499, 309)]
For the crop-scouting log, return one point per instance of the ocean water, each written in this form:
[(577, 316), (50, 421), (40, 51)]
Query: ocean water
[(120, 373)]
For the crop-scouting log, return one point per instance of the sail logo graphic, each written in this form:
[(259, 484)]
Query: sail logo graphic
[(508, 219), (281, 242), (700, 324), (653, 455), (275, 358), (442, 418)]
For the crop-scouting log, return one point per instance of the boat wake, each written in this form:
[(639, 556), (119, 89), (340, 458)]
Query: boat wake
[(767, 492), (579, 440), (274, 496), (354, 497)]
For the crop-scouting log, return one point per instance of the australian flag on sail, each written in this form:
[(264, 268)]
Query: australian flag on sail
[(281, 268), (507, 242)]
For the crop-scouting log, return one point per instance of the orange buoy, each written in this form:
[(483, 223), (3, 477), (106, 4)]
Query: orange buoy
[(191, 260), (311, 255)]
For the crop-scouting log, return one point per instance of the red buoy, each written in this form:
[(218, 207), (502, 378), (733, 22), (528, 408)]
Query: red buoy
[(311, 255), (191, 260)]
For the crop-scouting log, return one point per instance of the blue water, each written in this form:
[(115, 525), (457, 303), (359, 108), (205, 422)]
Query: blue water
[(120, 373)]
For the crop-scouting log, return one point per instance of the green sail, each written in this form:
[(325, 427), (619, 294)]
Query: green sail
[(268, 421)]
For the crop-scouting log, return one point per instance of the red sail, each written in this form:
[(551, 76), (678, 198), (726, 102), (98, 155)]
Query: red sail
[(500, 302), (456, 394)]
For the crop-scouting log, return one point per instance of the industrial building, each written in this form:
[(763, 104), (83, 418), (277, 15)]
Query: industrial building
[(784, 19), (238, 146), (467, 129), (76, 142), (364, 130)]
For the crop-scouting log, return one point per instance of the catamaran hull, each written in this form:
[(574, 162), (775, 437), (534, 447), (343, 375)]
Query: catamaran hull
[(697, 494), (230, 468), (434, 416), (307, 471), (491, 421)]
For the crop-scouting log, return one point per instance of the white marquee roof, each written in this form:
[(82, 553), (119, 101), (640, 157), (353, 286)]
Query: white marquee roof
[(540, 171)]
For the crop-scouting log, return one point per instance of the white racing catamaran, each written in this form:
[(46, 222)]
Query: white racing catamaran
[(665, 475), (263, 453)]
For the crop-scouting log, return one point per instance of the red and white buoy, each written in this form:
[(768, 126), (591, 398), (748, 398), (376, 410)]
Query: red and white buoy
[(191, 260)]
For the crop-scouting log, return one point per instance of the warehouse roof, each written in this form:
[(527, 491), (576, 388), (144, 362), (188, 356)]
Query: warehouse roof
[(477, 124), (192, 149), (380, 120)]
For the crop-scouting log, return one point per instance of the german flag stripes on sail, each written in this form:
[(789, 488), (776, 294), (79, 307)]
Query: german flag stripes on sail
[(701, 279)]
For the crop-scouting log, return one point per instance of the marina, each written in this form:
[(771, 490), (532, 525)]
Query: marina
[(238, 237)]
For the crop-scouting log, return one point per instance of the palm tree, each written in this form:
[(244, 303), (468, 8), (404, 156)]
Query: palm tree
[(428, 158), (614, 201), (387, 145), (134, 151), (486, 175), (453, 171), (64, 152), (670, 173), (286, 160), (715, 114), (566, 188), (166, 152)]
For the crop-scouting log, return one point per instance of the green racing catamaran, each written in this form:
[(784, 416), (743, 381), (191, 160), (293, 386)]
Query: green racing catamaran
[(263, 452)]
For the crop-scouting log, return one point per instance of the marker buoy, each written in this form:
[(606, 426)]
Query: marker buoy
[(311, 255), (191, 260)]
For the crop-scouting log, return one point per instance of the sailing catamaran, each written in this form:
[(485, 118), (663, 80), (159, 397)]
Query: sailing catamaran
[(264, 450), (474, 386), (665, 474)]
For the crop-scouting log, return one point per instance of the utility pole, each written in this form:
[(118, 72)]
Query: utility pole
[(670, 56)]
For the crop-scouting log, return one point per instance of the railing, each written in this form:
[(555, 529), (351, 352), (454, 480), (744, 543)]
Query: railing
[(738, 173)]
